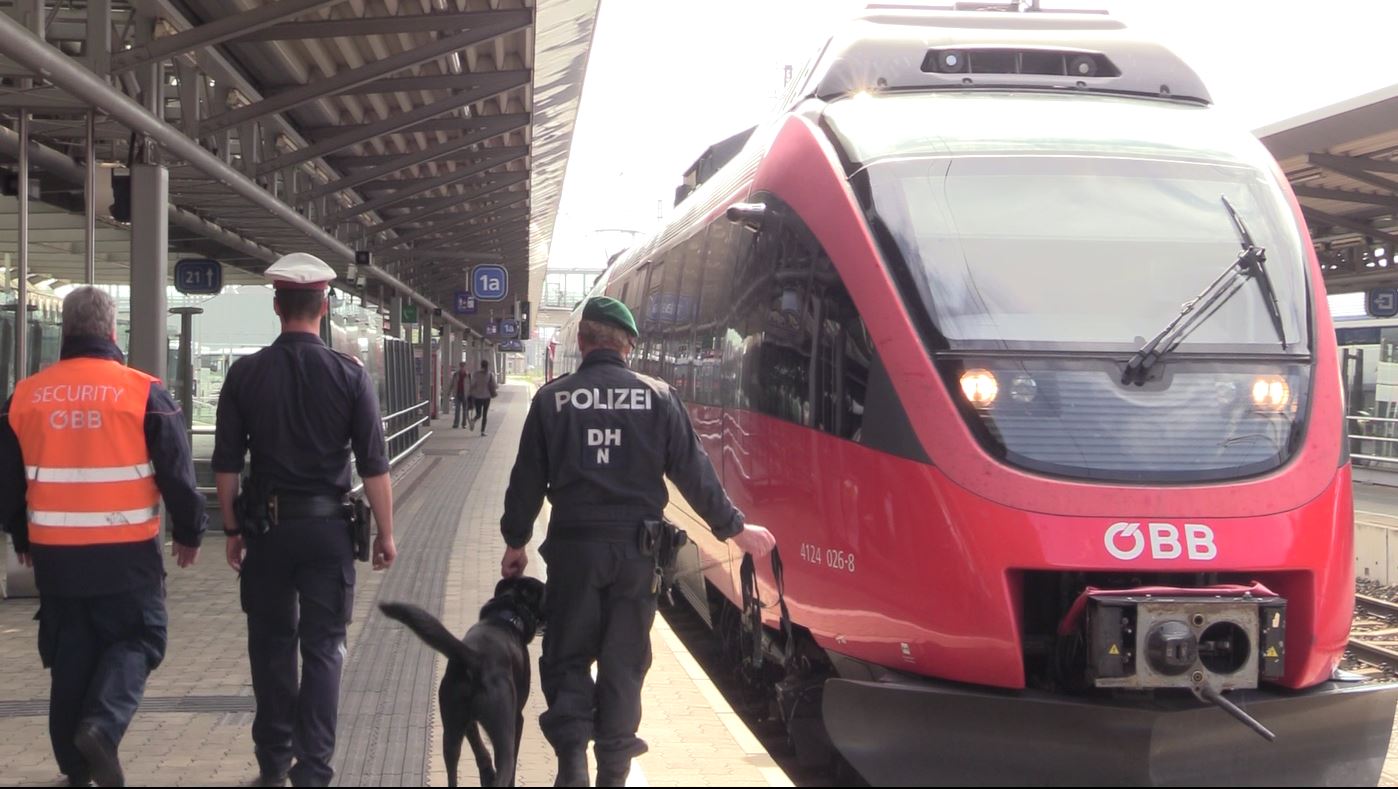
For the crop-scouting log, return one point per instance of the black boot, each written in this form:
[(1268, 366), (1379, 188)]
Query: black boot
[(572, 767), (613, 774), (100, 754)]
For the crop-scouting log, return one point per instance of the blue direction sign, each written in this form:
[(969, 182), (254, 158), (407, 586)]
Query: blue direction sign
[(509, 327), (512, 346), (492, 329), (1382, 302), (490, 282), (198, 277), (465, 303)]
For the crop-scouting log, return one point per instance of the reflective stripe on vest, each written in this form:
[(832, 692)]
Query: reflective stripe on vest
[(81, 430), (89, 520), (113, 474)]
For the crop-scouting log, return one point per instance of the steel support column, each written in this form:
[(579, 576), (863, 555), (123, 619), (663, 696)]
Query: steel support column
[(150, 244), (425, 326), (395, 317), (90, 199), (22, 303)]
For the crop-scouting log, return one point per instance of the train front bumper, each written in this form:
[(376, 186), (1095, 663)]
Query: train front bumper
[(924, 732)]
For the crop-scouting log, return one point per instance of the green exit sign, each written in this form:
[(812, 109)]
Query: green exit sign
[(410, 313)]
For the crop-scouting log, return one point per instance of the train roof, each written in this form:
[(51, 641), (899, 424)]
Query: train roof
[(891, 47), (897, 48)]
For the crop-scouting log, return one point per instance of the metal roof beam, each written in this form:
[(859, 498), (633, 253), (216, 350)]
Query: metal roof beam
[(411, 262), (387, 25), (1356, 162), (404, 161), (215, 32), (489, 84), (468, 81), (451, 201), (1342, 195), (407, 189), (494, 232), (1355, 168), (440, 124), (303, 94), (26, 48), (1356, 225), (509, 153), (456, 220)]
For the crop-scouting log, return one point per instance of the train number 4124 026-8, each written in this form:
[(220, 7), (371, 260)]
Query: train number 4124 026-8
[(828, 557)]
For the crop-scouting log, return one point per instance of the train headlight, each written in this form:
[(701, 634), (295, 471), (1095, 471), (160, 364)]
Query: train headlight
[(1023, 389), (980, 387), (1270, 393)]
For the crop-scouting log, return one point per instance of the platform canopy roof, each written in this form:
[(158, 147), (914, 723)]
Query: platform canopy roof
[(1342, 162), (432, 133)]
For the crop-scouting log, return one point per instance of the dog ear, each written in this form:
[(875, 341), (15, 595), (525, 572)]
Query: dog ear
[(503, 586)]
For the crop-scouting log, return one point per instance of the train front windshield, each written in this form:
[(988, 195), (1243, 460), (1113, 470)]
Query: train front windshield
[(1048, 238)]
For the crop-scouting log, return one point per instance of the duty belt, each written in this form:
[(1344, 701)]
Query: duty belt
[(593, 532), (285, 507)]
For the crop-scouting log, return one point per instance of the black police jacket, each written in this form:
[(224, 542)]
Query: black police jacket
[(599, 443)]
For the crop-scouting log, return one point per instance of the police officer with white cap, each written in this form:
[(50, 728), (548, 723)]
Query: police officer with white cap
[(298, 407)]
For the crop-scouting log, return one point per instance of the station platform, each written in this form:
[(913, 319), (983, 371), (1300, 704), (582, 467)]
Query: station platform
[(194, 728)]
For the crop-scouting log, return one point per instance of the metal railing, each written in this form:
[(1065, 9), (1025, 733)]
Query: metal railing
[(400, 440), (1379, 440)]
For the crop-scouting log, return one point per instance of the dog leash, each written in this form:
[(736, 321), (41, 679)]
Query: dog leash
[(753, 607)]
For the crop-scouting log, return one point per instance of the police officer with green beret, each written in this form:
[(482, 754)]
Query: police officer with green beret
[(599, 444)]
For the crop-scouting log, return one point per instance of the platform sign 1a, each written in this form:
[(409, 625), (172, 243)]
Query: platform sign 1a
[(198, 277), (509, 327), (1382, 302), (490, 282), (465, 303)]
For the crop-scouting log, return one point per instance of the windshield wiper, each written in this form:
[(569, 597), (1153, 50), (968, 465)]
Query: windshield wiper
[(1251, 262)]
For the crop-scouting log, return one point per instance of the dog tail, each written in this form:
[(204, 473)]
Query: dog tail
[(426, 626)]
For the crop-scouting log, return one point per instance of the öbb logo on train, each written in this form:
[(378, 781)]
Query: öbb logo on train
[(1127, 540)]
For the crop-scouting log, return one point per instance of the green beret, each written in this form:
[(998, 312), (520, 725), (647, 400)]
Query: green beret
[(608, 310)]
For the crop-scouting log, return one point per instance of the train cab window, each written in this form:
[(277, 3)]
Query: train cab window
[(844, 355), (778, 320)]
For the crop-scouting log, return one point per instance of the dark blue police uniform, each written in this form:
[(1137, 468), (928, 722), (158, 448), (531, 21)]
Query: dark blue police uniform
[(299, 407), (599, 444)]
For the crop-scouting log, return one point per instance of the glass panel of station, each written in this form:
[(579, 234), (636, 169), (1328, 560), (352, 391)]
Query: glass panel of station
[(234, 324)]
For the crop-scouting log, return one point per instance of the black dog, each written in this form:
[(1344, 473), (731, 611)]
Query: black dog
[(487, 677)]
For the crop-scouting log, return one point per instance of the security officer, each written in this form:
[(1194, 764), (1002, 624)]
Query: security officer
[(91, 446), (299, 407), (599, 443)]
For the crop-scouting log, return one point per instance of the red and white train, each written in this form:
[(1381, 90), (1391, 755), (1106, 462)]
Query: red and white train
[(1023, 353)]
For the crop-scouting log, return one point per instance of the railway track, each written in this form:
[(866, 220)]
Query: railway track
[(1373, 636)]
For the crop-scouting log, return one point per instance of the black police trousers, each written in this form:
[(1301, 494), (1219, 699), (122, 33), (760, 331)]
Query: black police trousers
[(600, 609), (99, 651), (298, 586)]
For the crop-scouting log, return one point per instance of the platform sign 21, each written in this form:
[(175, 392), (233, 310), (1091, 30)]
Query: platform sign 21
[(198, 277)]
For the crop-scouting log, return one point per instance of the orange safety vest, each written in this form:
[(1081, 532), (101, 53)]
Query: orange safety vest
[(81, 429)]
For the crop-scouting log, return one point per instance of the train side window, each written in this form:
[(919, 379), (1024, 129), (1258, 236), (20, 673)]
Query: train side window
[(711, 311), (666, 313), (687, 295)]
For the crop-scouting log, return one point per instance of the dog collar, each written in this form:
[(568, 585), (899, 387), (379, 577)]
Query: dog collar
[(513, 619)]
